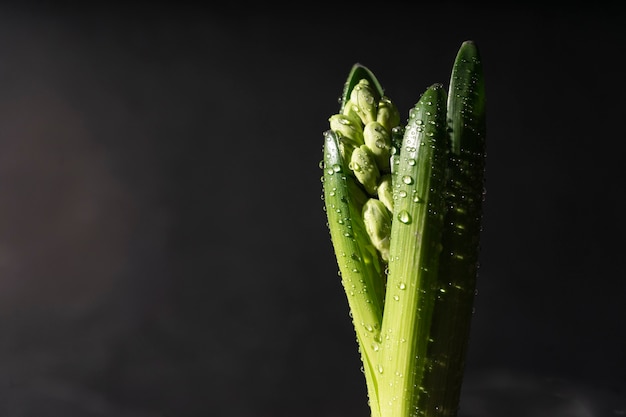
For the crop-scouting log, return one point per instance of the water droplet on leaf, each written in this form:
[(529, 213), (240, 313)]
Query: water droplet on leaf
[(404, 217)]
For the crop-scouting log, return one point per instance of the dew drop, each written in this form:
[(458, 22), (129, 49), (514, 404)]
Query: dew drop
[(404, 217), (380, 369), (407, 179), (402, 286), (355, 166)]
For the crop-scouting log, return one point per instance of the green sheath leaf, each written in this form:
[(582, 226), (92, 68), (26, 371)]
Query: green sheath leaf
[(357, 258), (414, 254), (459, 258), (354, 252)]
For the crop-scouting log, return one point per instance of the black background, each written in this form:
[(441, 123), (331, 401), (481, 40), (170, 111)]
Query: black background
[(163, 249)]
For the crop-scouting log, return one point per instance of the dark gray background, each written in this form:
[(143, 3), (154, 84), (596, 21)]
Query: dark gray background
[(163, 249)]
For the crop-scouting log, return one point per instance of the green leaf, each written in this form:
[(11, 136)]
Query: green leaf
[(357, 258), (458, 265), (414, 254)]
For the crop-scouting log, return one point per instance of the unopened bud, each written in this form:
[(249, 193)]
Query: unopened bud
[(388, 114), (351, 110), (377, 220), (385, 191), (378, 140), (363, 164), (347, 127), (364, 100)]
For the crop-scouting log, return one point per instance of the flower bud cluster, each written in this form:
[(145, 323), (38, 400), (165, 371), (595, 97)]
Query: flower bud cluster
[(365, 128)]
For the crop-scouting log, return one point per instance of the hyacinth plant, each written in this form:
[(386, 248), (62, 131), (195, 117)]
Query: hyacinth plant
[(404, 210)]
